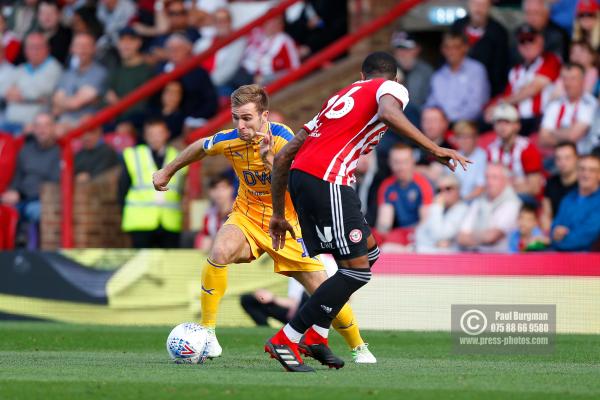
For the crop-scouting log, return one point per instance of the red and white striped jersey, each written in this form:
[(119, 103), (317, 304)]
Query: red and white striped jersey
[(521, 159), (346, 127), (547, 65), (266, 55)]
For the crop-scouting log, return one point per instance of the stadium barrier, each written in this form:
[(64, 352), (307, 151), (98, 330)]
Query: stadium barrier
[(407, 292), (105, 115)]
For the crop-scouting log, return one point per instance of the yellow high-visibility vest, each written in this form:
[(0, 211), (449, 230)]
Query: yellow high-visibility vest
[(145, 208)]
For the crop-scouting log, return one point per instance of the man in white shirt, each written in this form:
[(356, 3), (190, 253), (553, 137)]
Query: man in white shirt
[(492, 216), (569, 118)]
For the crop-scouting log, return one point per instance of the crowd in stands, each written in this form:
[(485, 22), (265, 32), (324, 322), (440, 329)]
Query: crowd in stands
[(521, 103)]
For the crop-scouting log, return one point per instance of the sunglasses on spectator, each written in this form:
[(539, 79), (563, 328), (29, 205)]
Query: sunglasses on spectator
[(586, 14), (442, 189), (526, 39), (177, 13)]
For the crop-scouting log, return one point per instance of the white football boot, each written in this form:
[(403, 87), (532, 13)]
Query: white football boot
[(362, 355), (214, 348)]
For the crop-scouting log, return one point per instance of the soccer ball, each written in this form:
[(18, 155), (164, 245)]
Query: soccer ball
[(188, 343)]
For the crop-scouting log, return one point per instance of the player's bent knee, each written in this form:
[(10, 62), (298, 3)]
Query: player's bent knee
[(221, 254), (373, 255)]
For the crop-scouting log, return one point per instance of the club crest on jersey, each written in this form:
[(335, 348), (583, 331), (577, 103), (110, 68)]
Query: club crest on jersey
[(355, 235)]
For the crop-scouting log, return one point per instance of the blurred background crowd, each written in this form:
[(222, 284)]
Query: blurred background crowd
[(519, 99)]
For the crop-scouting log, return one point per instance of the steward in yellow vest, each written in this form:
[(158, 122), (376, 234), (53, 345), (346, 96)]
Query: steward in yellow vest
[(153, 218)]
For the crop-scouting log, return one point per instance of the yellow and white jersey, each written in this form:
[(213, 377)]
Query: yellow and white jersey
[(254, 194)]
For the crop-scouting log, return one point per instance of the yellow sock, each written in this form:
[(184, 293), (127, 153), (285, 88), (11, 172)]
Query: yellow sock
[(346, 326), (214, 283)]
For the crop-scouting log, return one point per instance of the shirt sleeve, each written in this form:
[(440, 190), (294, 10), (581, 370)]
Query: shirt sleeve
[(550, 67), (212, 145), (281, 136), (395, 89), (531, 159)]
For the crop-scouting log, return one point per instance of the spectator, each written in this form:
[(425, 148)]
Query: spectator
[(169, 108), (262, 304), (199, 95), (129, 75), (114, 16), (38, 162), (577, 224), (570, 117), (226, 61), (221, 196), (587, 23), (6, 72), (472, 181), (562, 13), (153, 219), (438, 231), (59, 37), (270, 53), (529, 83), (488, 41), (318, 24), (583, 54), (463, 77), (177, 22), (491, 217), (403, 197), (527, 236), (417, 73), (85, 21), (80, 88), (561, 183), (9, 41), (95, 157), (21, 19), (537, 15), (517, 153), (32, 84), (434, 125)]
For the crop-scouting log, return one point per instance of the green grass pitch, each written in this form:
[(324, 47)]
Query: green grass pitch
[(57, 361)]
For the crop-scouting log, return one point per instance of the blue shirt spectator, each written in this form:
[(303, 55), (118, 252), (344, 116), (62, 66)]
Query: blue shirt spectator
[(460, 87), (577, 224), (402, 195)]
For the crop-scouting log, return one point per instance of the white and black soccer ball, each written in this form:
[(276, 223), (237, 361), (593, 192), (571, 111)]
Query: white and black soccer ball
[(188, 343)]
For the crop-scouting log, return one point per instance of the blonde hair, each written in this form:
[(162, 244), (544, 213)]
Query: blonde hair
[(464, 126), (250, 94), (594, 36)]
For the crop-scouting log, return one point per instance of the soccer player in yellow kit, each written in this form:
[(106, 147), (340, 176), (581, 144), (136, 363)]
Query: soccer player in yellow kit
[(250, 148)]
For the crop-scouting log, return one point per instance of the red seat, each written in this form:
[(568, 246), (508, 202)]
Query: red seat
[(9, 150), (9, 217)]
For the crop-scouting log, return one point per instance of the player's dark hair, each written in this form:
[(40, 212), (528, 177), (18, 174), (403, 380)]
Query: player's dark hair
[(566, 143), (215, 180), (380, 64)]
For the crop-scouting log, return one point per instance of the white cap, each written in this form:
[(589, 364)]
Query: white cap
[(505, 112)]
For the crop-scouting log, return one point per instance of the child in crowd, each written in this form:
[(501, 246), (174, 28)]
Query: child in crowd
[(527, 236)]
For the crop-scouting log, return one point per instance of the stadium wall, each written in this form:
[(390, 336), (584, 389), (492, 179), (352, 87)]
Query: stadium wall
[(408, 292)]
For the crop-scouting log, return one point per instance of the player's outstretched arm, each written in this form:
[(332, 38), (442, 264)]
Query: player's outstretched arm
[(389, 112), (194, 152), (278, 227)]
